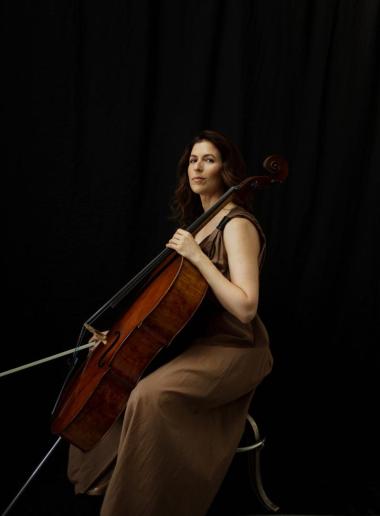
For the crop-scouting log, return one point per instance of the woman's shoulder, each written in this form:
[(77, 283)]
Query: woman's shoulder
[(240, 212), (236, 210)]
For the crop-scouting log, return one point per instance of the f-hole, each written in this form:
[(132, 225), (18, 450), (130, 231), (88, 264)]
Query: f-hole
[(101, 361)]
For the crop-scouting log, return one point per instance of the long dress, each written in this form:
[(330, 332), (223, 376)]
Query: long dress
[(170, 451)]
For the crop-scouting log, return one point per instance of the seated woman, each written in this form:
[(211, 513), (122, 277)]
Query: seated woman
[(169, 452)]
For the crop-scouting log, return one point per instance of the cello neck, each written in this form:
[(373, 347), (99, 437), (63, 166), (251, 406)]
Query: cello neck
[(193, 228), (207, 215)]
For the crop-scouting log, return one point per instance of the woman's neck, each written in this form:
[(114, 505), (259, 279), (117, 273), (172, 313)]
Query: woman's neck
[(208, 202)]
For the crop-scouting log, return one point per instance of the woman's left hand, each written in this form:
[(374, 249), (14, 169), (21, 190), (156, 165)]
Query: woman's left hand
[(183, 242)]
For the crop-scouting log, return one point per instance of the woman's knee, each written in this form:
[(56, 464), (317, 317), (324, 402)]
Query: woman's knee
[(150, 393)]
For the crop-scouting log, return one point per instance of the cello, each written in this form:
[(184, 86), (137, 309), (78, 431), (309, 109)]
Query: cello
[(160, 301)]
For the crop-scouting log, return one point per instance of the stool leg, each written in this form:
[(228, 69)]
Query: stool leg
[(256, 482), (254, 467)]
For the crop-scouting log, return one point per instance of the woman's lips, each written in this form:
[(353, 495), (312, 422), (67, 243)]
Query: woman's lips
[(198, 179)]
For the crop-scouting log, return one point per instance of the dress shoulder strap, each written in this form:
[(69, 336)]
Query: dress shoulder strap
[(241, 212)]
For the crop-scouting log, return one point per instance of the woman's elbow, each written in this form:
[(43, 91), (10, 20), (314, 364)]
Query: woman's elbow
[(249, 313)]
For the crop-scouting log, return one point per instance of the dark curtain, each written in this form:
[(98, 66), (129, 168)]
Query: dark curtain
[(99, 99)]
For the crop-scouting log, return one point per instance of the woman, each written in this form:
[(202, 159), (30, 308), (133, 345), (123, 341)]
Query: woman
[(169, 452)]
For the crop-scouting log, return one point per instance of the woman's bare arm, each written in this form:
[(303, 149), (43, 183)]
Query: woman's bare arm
[(240, 295)]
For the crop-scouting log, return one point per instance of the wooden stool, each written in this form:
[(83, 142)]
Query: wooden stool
[(254, 465)]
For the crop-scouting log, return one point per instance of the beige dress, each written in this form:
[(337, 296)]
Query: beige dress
[(169, 452)]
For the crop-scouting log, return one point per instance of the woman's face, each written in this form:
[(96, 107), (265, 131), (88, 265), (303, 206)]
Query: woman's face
[(204, 170)]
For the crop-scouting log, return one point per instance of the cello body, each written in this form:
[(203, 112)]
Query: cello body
[(99, 391)]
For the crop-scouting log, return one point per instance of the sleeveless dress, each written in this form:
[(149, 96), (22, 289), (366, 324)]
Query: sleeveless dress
[(170, 451)]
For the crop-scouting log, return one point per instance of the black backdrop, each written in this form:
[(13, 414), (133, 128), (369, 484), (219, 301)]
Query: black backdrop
[(99, 101)]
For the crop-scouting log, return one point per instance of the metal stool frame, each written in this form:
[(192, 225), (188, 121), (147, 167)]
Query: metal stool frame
[(255, 468)]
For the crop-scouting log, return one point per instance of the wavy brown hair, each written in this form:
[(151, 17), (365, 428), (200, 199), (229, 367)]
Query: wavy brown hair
[(186, 205)]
